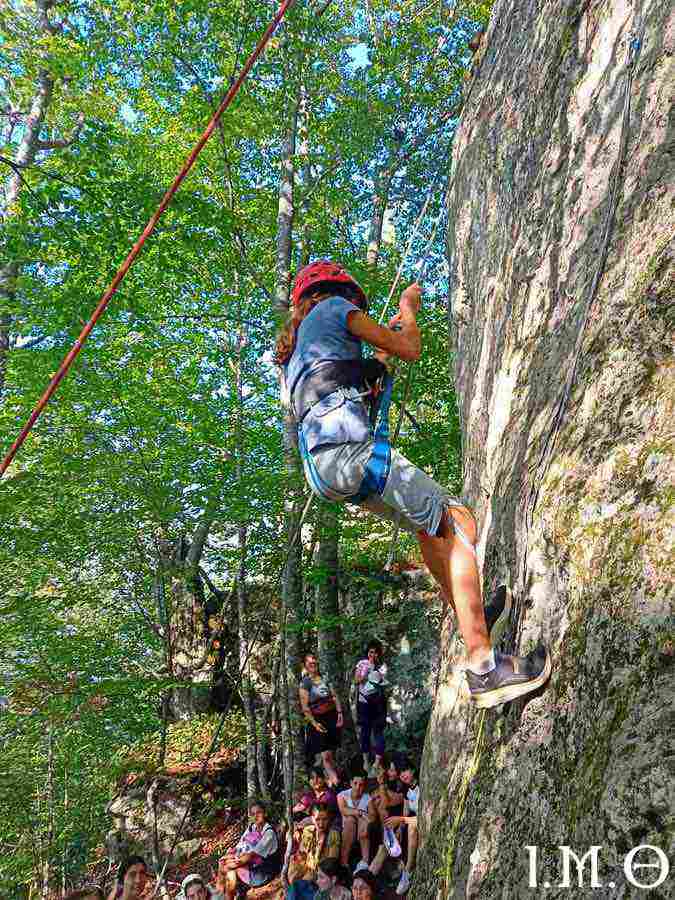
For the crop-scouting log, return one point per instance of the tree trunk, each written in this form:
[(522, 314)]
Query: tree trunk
[(190, 635), (288, 740), (380, 200), (291, 589), (28, 148), (45, 874), (285, 216), (248, 695), (303, 153), (329, 629)]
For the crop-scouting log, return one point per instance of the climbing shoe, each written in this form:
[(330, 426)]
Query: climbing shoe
[(392, 845), (404, 883), (512, 677), (495, 608)]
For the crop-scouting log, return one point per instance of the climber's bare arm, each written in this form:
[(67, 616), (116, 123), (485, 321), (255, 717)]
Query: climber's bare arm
[(404, 343)]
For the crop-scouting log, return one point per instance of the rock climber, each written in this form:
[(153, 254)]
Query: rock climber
[(325, 386)]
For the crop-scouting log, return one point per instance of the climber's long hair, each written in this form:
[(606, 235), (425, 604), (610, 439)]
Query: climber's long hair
[(286, 338)]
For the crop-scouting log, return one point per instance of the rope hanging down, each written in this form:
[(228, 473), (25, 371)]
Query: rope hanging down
[(147, 231), (424, 262)]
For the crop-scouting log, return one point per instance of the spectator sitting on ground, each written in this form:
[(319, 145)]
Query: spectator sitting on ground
[(332, 879), (409, 820), (130, 880), (353, 806), (195, 888), (318, 792), (364, 886), (88, 892), (388, 799), (319, 841), (254, 861)]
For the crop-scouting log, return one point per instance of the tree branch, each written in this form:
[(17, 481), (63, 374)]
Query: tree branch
[(62, 143), (29, 344)]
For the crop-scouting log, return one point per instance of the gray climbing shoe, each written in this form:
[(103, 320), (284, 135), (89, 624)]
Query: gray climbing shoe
[(512, 677)]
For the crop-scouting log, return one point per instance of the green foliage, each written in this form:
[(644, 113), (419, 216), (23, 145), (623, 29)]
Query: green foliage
[(147, 439), (186, 744)]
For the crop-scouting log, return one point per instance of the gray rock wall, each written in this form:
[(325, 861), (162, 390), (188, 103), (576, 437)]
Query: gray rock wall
[(584, 540)]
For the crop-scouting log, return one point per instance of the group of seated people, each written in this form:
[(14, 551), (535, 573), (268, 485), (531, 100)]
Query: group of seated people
[(347, 844), (346, 826)]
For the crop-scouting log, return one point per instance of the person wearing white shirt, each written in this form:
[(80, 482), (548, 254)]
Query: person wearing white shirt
[(353, 806)]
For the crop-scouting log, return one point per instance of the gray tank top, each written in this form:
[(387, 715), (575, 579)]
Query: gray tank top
[(341, 417)]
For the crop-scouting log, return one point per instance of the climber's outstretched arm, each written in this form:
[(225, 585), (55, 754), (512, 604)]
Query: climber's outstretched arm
[(404, 343)]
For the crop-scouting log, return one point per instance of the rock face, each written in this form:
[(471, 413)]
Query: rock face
[(580, 533)]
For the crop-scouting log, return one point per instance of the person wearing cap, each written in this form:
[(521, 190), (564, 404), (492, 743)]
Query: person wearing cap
[(329, 390), (193, 888)]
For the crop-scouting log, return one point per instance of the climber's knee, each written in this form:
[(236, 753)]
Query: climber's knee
[(464, 523), (459, 521)]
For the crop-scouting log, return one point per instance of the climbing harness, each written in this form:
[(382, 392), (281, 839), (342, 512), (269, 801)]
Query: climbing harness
[(313, 386), (147, 231), (377, 469)]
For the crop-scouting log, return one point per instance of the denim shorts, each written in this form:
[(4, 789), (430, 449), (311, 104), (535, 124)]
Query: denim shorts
[(410, 497)]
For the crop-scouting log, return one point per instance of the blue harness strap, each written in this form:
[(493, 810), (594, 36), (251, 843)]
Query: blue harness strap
[(377, 468)]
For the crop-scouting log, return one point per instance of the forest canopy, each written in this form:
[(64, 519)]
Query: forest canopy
[(145, 522)]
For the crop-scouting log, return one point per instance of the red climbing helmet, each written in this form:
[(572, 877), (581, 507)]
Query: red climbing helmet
[(323, 270)]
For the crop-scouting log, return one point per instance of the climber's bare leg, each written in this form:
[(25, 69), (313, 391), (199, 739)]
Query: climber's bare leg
[(454, 567)]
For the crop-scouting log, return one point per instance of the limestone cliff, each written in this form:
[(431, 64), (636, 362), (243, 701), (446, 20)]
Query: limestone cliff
[(581, 533)]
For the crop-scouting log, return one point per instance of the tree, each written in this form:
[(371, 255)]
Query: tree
[(143, 516)]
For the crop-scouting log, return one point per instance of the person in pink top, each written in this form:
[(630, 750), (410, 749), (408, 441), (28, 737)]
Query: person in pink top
[(371, 677), (253, 861), (318, 792)]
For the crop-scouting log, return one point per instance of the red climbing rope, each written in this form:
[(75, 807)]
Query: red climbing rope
[(147, 231)]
